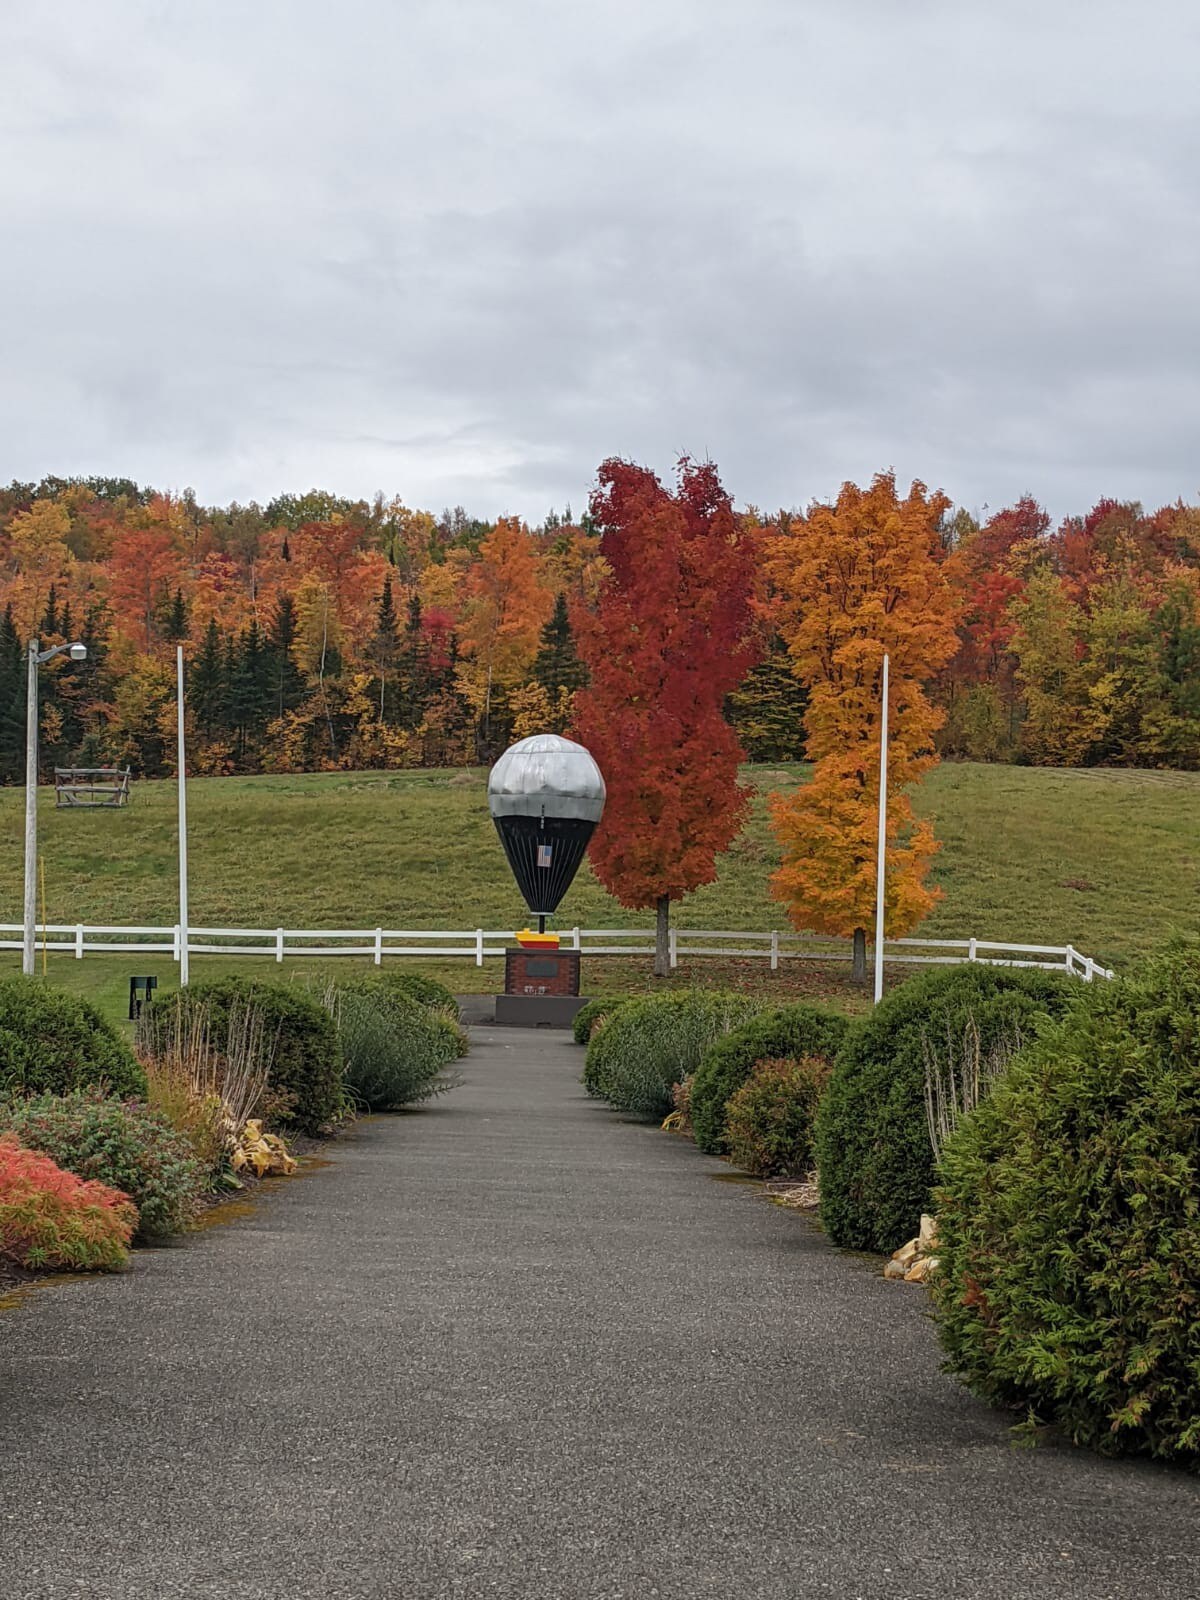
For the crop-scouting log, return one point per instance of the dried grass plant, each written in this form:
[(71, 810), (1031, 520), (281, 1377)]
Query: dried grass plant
[(209, 1094), (960, 1074)]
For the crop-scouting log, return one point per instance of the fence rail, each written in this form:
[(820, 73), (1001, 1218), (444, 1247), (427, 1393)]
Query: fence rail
[(478, 944)]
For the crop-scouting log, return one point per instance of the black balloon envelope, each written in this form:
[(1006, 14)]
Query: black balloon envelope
[(546, 796)]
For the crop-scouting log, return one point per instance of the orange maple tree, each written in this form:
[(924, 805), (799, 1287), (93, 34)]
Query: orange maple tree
[(668, 639), (506, 604), (855, 581)]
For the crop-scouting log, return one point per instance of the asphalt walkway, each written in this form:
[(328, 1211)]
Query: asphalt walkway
[(512, 1346)]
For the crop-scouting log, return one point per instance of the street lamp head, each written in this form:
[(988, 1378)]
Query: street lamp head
[(79, 652)]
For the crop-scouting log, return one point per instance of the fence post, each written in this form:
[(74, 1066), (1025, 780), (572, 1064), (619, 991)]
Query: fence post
[(774, 950), (378, 947), (673, 949), (575, 938), (279, 945), (79, 941), (971, 951), (1072, 957), (478, 947), (176, 943), (1089, 969)]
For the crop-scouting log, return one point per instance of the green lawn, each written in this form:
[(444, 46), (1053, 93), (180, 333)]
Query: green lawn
[(1107, 860)]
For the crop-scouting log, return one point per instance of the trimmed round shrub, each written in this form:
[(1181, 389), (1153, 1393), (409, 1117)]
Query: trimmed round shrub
[(769, 1120), (1069, 1222), (795, 1030), (52, 1219), (52, 1042), (122, 1144), (427, 992), (596, 1011), (650, 1045), (874, 1151), (395, 1051), (298, 1033)]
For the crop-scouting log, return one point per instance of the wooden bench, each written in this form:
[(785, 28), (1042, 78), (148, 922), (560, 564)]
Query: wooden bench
[(91, 786)]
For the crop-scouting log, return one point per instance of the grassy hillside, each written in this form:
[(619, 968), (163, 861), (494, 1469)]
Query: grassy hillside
[(1107, 860)]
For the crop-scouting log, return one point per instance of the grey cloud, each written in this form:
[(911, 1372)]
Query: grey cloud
[(461, 252)]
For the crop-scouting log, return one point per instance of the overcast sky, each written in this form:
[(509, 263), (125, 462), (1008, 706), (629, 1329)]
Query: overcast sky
[(462, 250)]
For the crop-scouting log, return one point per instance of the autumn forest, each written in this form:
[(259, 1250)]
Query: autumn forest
[(325, 633)]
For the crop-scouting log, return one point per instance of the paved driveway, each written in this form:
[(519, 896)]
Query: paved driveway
[(511, 1346)]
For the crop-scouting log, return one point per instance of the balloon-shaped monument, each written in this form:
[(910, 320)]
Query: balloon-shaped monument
[(546, 795)]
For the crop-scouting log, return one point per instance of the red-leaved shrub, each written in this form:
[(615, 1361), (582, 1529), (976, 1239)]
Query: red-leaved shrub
[(769, 1119), (50, 1218)]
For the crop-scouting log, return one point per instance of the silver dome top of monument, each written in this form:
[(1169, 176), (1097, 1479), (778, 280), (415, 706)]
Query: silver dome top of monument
[(546, 775)]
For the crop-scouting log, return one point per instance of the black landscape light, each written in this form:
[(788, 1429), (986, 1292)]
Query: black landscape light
[(546, 795), (141, 992)]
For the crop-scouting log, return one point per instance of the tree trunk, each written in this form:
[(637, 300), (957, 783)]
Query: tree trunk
[(859, 973), (662, 942)]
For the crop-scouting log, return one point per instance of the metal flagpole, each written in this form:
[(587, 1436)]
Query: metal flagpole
[(181, 772), (31, 777), (881, 869)]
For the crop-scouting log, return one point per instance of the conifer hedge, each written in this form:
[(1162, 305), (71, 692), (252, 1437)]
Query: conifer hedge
[(1069, 1222)]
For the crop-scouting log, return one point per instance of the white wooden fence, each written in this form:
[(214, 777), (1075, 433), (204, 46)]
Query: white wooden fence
[(478, 944)]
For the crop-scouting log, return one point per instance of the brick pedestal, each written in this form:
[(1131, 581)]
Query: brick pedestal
[(541, 972), (541, 988)]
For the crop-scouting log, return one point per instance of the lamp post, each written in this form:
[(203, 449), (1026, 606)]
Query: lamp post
[(37, 658), (881, 868)]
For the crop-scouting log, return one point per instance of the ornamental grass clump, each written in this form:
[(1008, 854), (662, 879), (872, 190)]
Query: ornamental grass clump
[(396, 1052), (769, 1120), (207, 1094), (594, 1015), (299, 1040), (51, 1219), (121, 1144), (649, 1045), (1068, 1284), (795, 1030), (52, 1042)]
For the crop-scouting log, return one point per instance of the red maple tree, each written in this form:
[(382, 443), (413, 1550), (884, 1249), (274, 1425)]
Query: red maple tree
[(670, 636)]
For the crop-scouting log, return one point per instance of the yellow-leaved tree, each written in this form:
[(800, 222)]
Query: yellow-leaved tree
[(506, 603), (855, 581)]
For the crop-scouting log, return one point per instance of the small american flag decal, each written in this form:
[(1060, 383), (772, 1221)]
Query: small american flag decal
[(544, 852)]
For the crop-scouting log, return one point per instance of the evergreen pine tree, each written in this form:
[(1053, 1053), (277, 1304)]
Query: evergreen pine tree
[(52, 750), (12, 701), (386, 650), (175, 627), (414, 673), (557, 665), (49, 627), (74, 691), (250, 694), (208, 686), (285, 680), (767, 709)]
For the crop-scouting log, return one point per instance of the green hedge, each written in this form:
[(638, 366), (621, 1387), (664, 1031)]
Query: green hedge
[(873, 1147), (53, 1043), (121, 1143), (1069, 1222), (649, 1045), (298, 1034), (795, 1030), (589, 1015), (395, 1050)]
